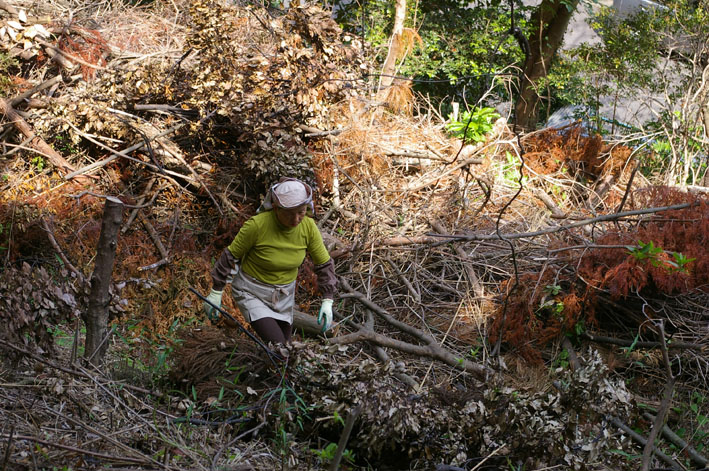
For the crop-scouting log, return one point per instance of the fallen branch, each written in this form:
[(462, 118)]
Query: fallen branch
[(141, 202), (431, 349), (556, 212), (8, 8), (36, 142), (73, 372), (46, 84), (69, 56), (118, 153), (664, 405), (81, 451), (631, 343), (432, 181), (155, 237), (428, 351)]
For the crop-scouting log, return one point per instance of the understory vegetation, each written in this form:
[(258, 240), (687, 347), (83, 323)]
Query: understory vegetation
[(508, 299)]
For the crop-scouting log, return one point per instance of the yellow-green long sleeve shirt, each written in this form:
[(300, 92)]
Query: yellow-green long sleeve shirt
[(272, 253)]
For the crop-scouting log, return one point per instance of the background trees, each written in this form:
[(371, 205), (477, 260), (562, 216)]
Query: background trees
[(646, 75)]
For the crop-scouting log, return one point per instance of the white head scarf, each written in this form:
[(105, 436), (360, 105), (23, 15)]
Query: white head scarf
[(288, 193)]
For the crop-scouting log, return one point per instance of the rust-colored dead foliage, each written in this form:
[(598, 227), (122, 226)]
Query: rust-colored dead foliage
[(684, 232), (571, 150), (543, 306), (86, 44), (538, 310)]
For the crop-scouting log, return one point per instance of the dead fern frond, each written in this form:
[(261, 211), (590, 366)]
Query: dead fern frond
[(399, 97), (408, 40)]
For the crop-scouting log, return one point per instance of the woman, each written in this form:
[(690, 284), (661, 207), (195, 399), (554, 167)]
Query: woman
[(262, 263)]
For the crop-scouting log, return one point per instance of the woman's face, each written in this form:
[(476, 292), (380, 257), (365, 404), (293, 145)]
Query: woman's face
[(291, 217)]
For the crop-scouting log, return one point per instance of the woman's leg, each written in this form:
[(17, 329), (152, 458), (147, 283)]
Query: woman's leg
[(271, 330), (286, 328)]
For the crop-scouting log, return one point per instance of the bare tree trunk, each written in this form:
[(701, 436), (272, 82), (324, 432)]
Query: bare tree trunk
[(96, 318), (549, 23), (395, 46)]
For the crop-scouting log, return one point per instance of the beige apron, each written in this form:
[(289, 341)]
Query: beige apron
[(257, 299)]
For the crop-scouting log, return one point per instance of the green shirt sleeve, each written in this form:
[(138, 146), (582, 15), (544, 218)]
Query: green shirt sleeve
[(245, 239)]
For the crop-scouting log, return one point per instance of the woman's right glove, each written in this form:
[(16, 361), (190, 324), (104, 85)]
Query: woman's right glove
[(215, 297)]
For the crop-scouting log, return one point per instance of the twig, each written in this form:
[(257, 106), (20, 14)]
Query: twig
[(103, 340), (630, 343), (494, 452), (94, 431), (551, 230), (118, 153), (98, 195), (60, 252), (472, 276), (628, 188), (345, 437), (157, 264), (416, 295), (141, 201), (154, 236)]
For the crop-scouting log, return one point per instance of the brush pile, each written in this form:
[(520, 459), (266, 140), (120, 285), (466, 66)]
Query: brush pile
[(470, 275)]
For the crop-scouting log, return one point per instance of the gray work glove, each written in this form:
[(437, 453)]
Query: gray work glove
[(215, 297)]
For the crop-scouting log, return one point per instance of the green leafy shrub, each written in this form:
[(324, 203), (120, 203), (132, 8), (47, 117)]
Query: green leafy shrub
[(473, 126)]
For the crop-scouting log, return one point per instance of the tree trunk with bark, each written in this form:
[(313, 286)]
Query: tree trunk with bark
[(96, 318), (395, 46), (549, 23)]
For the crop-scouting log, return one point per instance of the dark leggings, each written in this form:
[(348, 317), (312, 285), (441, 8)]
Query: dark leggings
[(272, 330)]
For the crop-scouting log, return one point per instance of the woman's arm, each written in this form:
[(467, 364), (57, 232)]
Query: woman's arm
[(327, 280), (324, 265), (222, 269)]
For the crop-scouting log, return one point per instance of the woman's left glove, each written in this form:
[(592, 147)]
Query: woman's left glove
[(325, 314)]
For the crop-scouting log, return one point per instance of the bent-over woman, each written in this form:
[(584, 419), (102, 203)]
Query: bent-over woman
[(263, 259)]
